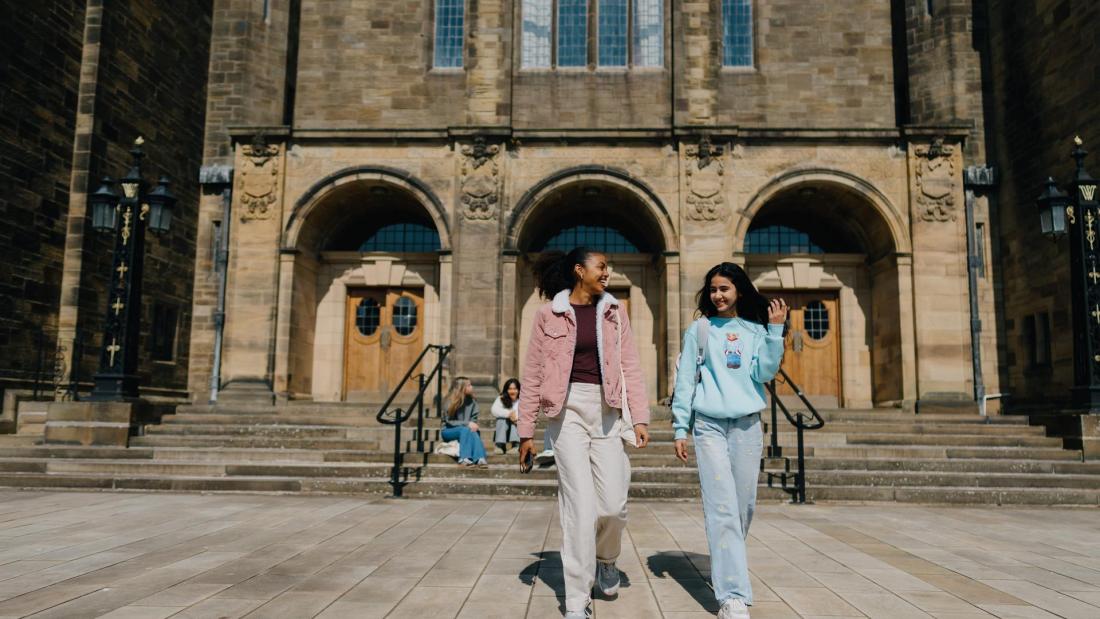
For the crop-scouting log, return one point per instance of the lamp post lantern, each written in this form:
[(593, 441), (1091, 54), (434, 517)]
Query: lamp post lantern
[(127, 216), (1076, 214)]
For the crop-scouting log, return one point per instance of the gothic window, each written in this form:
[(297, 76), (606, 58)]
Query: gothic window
[(535, 46), (780, 240), (612, 33), (404, 316), (602, 238), (572, 33), (368, 316), (649, 40), (737, 33), (449, 18), (556, 33), (402, 238)]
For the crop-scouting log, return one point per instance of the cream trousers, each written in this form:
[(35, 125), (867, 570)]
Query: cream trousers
[(593, 481)]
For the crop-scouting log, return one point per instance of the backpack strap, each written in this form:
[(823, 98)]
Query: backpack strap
[(702, 333)]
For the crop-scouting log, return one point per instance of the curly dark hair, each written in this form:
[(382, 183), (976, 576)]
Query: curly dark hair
[(554, 270)]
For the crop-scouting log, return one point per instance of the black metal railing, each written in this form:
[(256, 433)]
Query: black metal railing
[(398, 416), (46, 372), (801, 422)]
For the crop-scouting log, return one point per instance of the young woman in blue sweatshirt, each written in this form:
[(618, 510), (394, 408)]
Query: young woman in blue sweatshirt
[(719, 402)]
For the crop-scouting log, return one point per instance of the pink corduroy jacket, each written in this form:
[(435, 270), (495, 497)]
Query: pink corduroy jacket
[(549, 361)]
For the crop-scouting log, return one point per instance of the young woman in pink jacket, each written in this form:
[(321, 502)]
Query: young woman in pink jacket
[(582, 372)]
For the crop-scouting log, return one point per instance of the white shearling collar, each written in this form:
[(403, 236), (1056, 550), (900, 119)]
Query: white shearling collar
[(561, 305)]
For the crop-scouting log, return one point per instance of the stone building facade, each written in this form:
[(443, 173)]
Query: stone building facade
[(1043, 75), (389, 191), (81, 80)]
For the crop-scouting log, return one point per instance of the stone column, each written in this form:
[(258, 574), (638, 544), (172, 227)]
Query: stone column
[(671, 316), (940, 303), (252, 299), (509, 313), (283, 319), (475, 305)]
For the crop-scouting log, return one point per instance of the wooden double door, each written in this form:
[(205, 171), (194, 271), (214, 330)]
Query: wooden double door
[(384, 333), (812, 346)]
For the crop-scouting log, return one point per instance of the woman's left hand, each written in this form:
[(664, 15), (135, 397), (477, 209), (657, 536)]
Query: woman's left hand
[(777, 311), (641, 430)]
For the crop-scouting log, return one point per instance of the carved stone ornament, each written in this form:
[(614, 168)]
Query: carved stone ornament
[(936, 181), (480, 181), (258, 178), (706, 182)]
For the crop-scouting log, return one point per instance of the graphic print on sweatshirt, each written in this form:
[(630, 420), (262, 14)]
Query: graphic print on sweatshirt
[(735, 346)]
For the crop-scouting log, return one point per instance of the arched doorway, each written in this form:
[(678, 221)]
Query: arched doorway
[(369, 267), (831, 246), (616, 214)]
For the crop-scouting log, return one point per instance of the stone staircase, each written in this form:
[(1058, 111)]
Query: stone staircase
[(871, 455)]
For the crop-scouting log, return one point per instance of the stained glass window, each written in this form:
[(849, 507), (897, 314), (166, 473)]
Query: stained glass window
[(649, 43), (572, 33), (537, 17), (602, 238), (737, 33), (612, 33), (402, 238), (404, 316), (815, 318), (449, 17), (780, 240), (367, 316)]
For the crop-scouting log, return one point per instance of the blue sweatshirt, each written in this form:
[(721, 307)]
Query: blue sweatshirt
[(741, 357)]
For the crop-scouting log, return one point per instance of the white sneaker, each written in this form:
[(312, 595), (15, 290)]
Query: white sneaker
[(546, 457), (734, 609), (607, 578), (580, 614)]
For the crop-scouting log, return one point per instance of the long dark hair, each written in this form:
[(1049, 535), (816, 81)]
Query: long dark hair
[(504, 399), (751, 305), (554, 270)]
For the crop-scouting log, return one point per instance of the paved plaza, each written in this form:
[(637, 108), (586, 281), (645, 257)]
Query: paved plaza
[(71, 555)]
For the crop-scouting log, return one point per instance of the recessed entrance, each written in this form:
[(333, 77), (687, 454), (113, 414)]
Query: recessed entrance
[(825, 245)]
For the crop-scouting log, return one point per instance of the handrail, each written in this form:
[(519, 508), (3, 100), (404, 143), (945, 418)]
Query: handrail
[(799, 421), (398, 416)]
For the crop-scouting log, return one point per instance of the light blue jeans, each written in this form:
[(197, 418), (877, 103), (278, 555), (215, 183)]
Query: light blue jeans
[(728, 455), (470, 446)]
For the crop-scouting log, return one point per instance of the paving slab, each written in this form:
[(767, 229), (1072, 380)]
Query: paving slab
[(122, 555)]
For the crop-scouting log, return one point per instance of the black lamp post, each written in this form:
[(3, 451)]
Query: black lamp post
[(1077, 214), (126, 216)]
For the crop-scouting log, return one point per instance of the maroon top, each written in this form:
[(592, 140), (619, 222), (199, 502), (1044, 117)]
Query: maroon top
[(586, 357)]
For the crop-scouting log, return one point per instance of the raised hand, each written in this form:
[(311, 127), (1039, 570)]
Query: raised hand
[(777, 311)]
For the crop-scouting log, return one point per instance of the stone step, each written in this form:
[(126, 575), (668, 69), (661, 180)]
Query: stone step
[(18, 440), (640, 474), (31, 429), (950, 439), (941, 452)]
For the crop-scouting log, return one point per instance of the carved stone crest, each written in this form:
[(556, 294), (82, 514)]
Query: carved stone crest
[(258, 178), (706, 182), (936, 179), (480, 180)]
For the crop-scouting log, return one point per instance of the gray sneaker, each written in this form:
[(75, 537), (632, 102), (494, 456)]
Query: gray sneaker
[(580, 614), (607, 578)]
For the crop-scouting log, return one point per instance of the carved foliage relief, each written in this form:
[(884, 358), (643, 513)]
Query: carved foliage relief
[(258, 178), (936, 177), (705, 175), (480, 180)]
